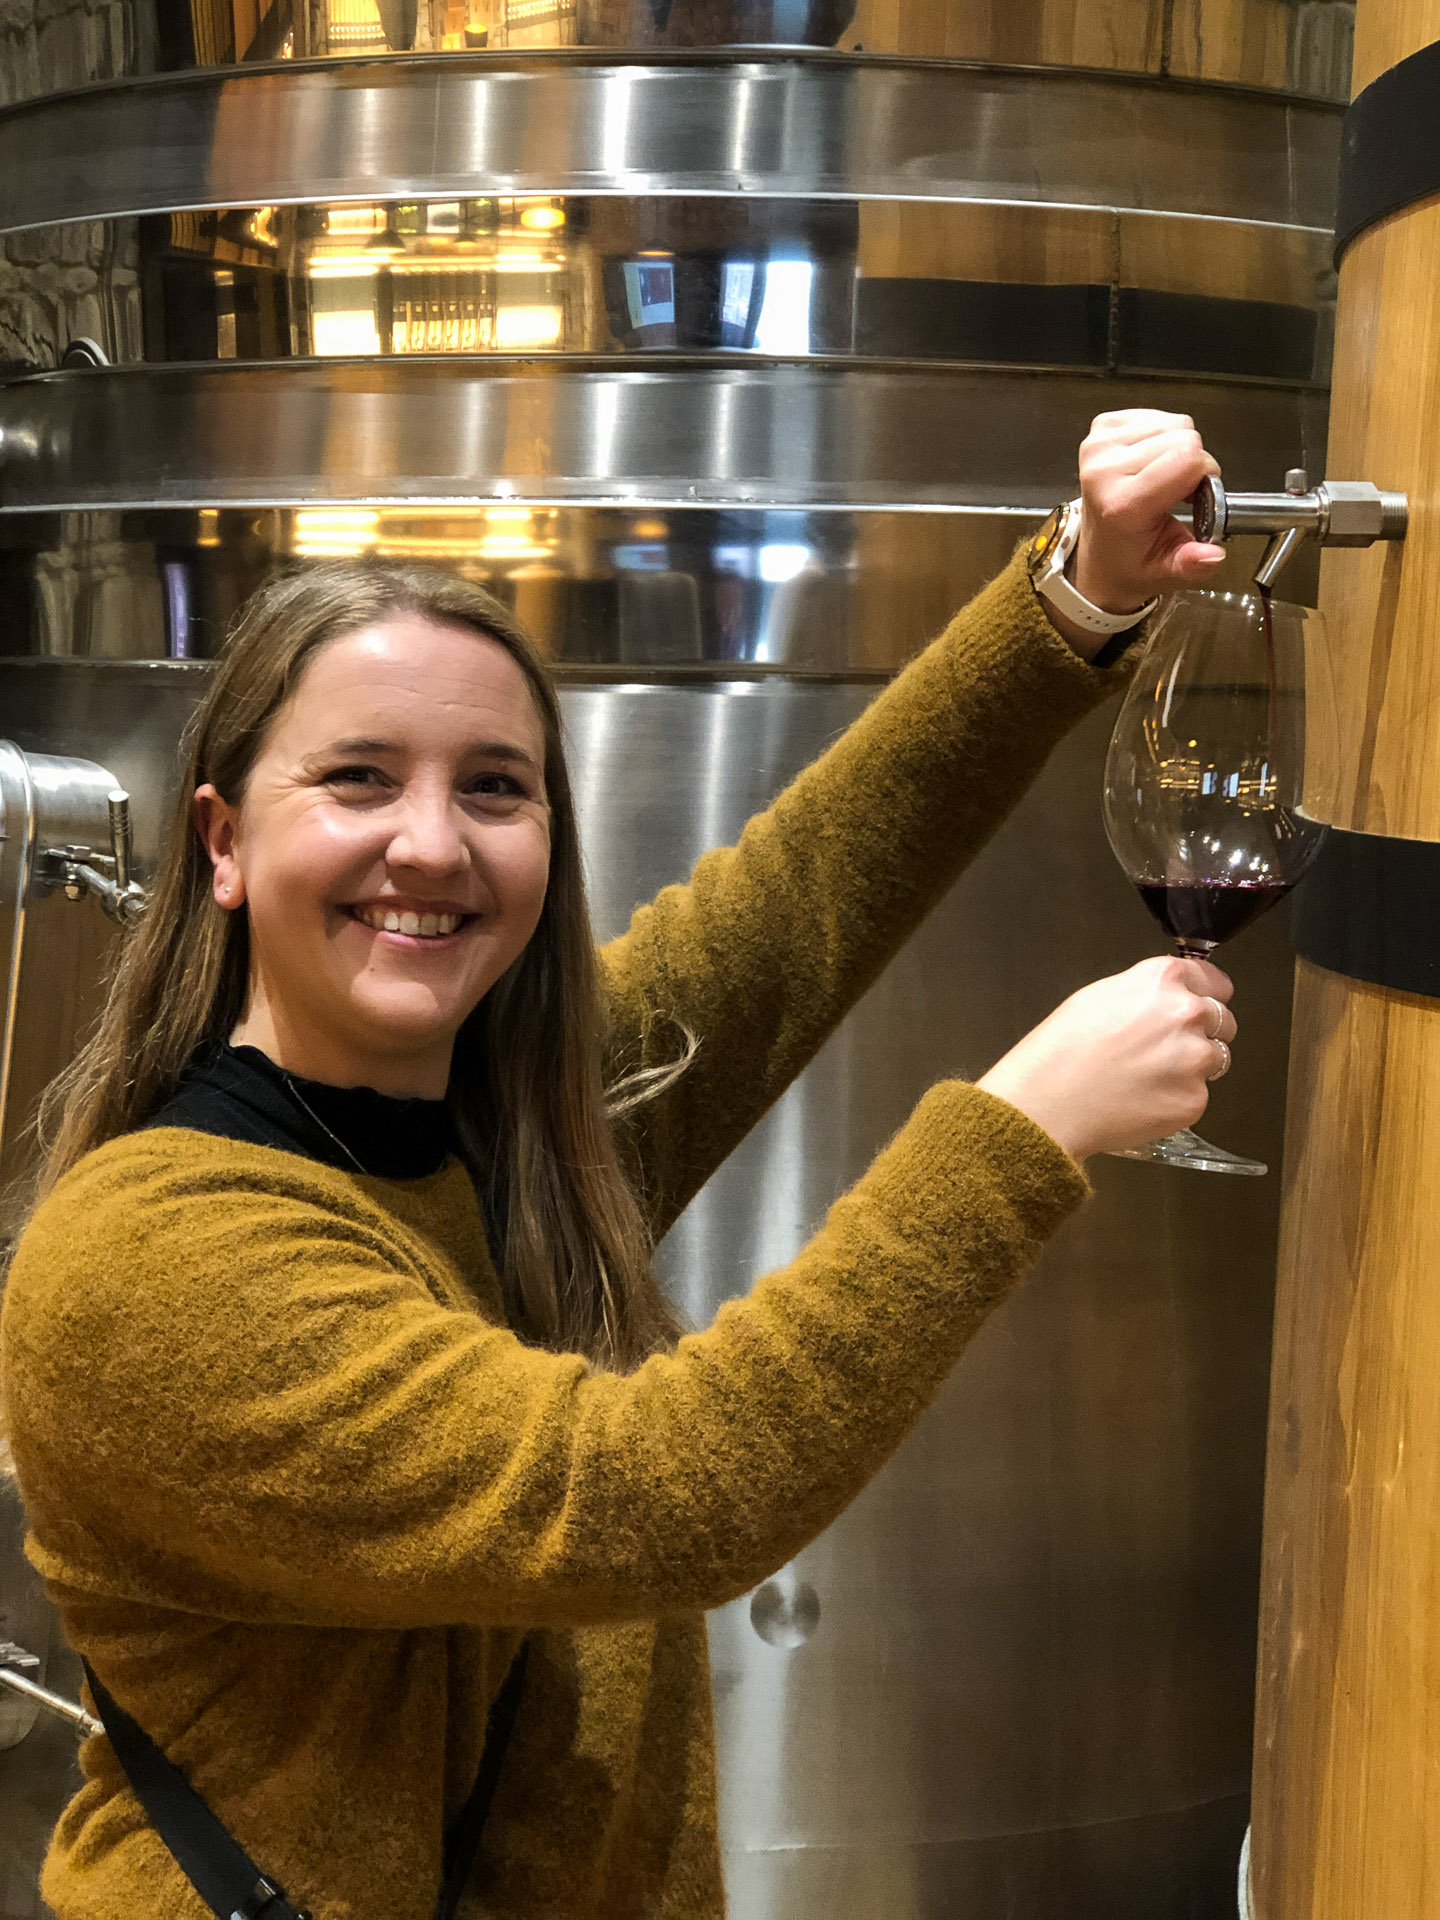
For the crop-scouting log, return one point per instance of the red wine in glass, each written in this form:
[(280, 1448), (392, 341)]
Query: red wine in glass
[(1215, 782), (1205, 912)]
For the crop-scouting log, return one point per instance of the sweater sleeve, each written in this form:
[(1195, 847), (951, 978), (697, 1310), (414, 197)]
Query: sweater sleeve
[(228, 1398), (772, 941)]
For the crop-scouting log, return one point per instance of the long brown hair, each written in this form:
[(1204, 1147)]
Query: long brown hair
[(526, 1090)]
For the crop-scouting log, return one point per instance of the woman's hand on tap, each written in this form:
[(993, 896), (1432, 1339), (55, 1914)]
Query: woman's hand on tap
[(1124, 1060), (1135, 468)]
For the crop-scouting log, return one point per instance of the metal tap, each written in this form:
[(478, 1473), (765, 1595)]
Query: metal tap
[(13, 1677), (118, 892), (1337, 513)]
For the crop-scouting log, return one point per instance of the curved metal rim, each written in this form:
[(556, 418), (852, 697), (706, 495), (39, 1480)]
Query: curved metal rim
[(567, 673), (790, 128), (543, 364), (418, 431), (740, 54)]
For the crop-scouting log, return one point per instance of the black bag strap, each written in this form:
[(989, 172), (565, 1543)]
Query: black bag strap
[(463, 1835), (218, 1867)]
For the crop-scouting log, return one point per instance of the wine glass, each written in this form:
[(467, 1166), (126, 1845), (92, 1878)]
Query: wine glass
[(1217, 779)]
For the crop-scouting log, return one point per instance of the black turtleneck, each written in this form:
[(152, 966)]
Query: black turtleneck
[(238, 1093)]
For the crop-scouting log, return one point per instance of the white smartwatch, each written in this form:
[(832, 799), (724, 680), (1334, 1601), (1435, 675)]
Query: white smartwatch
[(1047, 560)]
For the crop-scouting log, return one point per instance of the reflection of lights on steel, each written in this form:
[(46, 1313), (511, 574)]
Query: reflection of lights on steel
[(353, 26), (519, 13), (510, 534), (442, 216), (543, 219), (225, 338), (784, 324), (494, 538), (441, 326), (337, 518), (344, 330), (513, 261), (779, 563), (464, 263), (496, 547), (737, 284), (261, 226), (334, 532), (355, 220), (650, 529), (636, 557), (209, 533), (349, 265), (527, 327)]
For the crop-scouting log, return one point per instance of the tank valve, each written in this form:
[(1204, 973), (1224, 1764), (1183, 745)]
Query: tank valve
[(14, 1677), (118, 892), (1337, 513)]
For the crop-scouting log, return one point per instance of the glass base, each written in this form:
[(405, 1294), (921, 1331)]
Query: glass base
[(1187, 1149)]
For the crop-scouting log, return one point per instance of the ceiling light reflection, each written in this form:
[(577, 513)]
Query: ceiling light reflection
[(338, 533), (528, 327)]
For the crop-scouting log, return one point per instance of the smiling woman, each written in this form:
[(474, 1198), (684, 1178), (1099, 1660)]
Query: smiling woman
[(435, 771), (383, 742), (334, 1369)]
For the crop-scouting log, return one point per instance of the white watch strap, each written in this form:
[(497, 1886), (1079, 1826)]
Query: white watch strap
[(1073, 604)]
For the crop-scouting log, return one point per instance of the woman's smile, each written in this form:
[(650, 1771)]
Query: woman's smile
[(412, 920)]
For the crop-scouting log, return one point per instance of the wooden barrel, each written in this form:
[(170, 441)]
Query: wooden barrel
[(1347, 1766)]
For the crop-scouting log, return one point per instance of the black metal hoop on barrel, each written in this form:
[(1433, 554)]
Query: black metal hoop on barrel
[(1389, 146)]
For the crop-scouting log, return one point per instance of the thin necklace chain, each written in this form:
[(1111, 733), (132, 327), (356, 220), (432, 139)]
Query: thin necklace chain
[(302, 1102)]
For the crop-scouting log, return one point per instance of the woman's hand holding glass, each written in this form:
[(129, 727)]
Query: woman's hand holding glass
[(1128, 1060), (1125, 1060)]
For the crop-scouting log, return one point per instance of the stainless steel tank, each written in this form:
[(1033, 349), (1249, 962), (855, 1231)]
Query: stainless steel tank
[(735, 342)]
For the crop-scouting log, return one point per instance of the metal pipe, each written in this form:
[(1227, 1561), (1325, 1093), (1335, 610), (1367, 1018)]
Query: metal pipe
[(118, 802), (1276, 556), (84, 1724)]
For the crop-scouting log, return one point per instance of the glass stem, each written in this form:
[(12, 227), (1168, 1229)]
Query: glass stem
[(1195, 949)]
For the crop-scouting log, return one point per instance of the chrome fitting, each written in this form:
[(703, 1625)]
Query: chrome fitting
[(1337, 513), (118, 892)]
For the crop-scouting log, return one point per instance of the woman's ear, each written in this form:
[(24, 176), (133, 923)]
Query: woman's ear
[(216, 822)]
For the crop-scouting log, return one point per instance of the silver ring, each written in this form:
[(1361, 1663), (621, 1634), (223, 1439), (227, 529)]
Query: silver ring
[(1224, 1066), (1214, 1033)]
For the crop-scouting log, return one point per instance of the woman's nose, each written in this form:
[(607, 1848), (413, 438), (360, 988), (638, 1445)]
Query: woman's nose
[(428, 836)]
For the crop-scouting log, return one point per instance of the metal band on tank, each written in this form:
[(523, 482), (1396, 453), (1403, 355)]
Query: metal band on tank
[(1389, 149), (1370, 909), (677, 432), (810, 126)]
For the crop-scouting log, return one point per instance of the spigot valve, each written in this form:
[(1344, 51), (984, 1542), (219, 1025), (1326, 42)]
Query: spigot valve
[(1337, 513), (118, 892)]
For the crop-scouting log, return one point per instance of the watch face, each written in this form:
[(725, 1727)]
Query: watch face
[(1045, 541)]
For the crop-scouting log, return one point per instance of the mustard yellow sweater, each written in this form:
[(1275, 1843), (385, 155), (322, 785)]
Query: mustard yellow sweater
[(297, 1490)]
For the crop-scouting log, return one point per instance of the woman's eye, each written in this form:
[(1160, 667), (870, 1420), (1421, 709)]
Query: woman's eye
[(353, 777), (496, 786)]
